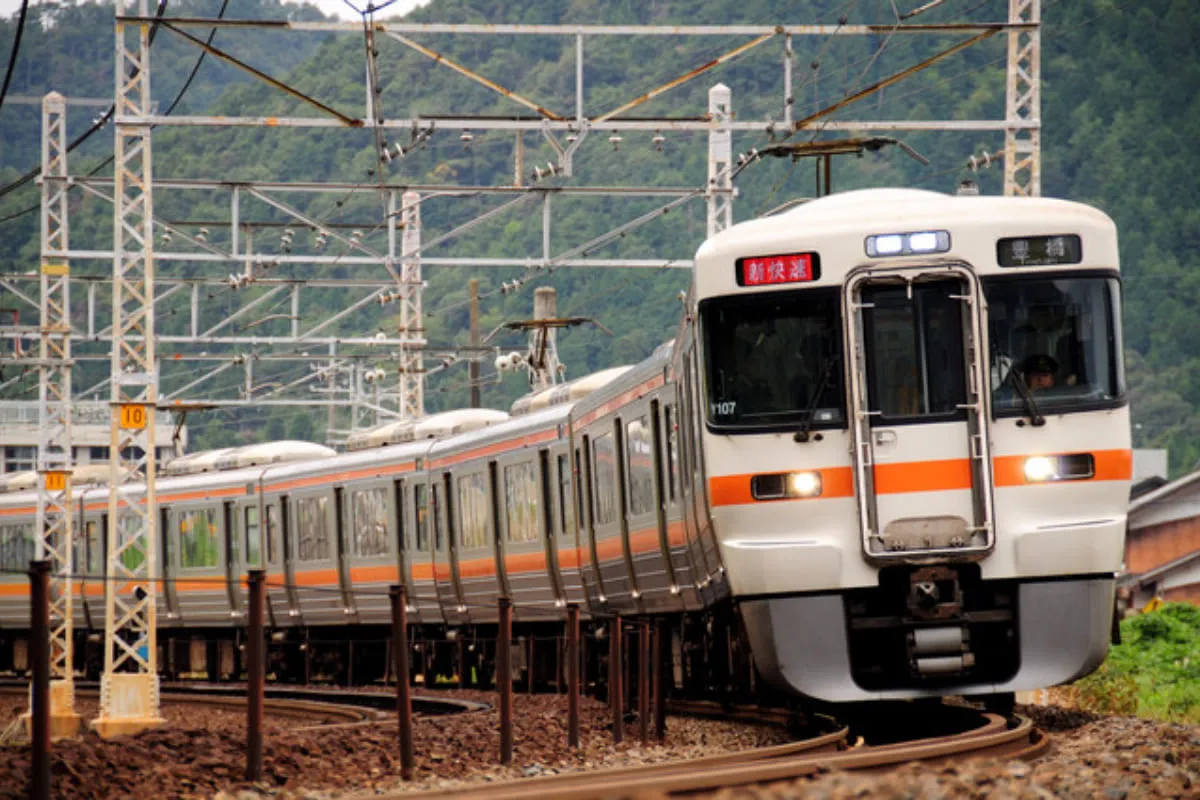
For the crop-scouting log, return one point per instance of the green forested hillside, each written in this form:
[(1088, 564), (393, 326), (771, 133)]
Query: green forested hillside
[(1118, 104)]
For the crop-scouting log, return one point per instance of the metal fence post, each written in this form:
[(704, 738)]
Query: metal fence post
[(255, 677), (504, 678), (399, 598), (39, 652), (616, 694), (573, 675)]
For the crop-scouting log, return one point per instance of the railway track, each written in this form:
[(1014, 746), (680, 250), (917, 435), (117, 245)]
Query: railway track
[(335, 707), (995, 737)]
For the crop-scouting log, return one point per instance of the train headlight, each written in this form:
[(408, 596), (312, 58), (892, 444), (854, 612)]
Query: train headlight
[(804, 484), (1039, 469), (1072, 467), (786, 485)]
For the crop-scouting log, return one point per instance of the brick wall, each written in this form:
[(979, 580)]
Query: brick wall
[(1152, 547)]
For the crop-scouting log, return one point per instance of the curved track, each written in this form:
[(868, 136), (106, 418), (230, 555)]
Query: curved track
[(995, 737)]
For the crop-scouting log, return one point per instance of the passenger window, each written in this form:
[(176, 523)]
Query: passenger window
[(639, 453), (312, 524), (672, 438), (421, 508), (604, 470), (473, 511), (564, 494), (272, 533), (437, 518), (253, 536), (16, 547), (95, 558), (521, 502), (368, 516), (198, 543)]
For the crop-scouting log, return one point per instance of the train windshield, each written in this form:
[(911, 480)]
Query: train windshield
[(1056, 339), (772, 360)]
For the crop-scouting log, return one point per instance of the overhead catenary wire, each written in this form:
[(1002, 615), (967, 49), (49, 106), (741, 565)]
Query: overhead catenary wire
[(16, 49), (96, 126)]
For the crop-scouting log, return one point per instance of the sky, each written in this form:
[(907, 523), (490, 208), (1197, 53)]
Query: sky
[(338, 8)]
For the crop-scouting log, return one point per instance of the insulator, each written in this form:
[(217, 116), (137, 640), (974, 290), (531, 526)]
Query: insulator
[(615, 140), (166, 237), (572, 138), (658, 141), (537, 173), (202, 235)]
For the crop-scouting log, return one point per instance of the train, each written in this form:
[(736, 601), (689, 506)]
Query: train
[(886, 456)]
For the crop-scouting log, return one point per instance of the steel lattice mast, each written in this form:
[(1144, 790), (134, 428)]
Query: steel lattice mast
[(720, 160), (1023, 107), (129, 687), (54, 542)]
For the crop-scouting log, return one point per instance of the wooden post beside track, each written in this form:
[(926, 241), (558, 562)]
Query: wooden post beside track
[(462, 661), (662, 662), (573, 675), (39, 653), (644, 681), (529, 668), (504, 684), (255, 677), (399, 598), (616, 693)]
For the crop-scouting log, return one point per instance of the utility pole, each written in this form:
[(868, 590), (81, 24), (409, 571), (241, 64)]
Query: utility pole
[(1023, 106), (543, 345), (54, 531), (412, 322), (473, 364), (720, 160), (129, 686)]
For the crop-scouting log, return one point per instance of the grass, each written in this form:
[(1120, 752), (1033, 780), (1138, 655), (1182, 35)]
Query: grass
[(1154, 672)]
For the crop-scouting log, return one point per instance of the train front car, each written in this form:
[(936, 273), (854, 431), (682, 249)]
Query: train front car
[(917, 440)]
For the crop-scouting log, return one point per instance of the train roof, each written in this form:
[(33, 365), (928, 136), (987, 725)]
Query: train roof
[(835, 228)]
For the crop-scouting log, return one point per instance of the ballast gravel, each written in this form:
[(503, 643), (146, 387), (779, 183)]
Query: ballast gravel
[(201, 755)]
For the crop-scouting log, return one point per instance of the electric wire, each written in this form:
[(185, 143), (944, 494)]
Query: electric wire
[(12, 56), (96, 126)]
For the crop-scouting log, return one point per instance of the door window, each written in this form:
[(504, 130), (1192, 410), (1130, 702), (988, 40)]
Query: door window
[(914, 339)]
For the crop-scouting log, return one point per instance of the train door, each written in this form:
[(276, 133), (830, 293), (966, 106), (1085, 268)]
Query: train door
[(420, 556), (93, 531), (257, 552), (235, 566), (550, 516), (282, 509), (404, 537), (449, 597), (587, 520), (570, 547), (690, 491), (342, 534), (914, 340)]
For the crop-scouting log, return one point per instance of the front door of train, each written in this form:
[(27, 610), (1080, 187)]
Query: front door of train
[(916, 362)]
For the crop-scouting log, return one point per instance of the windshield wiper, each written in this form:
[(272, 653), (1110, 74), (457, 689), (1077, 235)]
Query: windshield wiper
[(806, 425), (1018, 381)]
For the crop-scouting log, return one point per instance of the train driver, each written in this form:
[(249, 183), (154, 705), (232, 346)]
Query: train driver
[(1039, 371)]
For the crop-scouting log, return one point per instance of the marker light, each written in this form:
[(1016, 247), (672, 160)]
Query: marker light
[(907, 244), (1072, 467), (786, 486)]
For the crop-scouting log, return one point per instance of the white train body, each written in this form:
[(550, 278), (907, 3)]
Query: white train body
[(951, 542), (841, 443)]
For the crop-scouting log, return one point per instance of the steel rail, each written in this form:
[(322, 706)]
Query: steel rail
[(997, 737)]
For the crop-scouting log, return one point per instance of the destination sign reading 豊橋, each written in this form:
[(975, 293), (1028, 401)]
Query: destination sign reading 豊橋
[(768, 270), (1039, 251)]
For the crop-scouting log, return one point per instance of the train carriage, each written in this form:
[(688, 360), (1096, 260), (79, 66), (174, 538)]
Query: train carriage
[(917, 434), (891, 431)]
